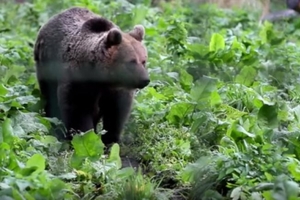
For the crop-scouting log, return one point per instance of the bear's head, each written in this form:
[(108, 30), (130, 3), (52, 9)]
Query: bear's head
[(121, 56)]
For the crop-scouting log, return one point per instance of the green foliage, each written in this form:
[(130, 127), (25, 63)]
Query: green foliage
[(219, 120), (87, 146)]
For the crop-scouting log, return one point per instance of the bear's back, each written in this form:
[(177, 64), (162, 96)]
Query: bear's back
[(66, 24)]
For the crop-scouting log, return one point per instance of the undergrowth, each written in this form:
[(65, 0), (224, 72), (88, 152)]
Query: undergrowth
[(219, 120)]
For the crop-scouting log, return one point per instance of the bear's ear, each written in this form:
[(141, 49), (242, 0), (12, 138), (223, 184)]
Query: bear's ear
[(113, 37), (97, 25), (138, 32)]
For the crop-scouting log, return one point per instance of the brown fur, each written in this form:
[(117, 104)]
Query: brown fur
[(88, 69)]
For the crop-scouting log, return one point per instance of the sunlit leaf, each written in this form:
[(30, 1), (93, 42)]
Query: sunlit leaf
[(216, 42)]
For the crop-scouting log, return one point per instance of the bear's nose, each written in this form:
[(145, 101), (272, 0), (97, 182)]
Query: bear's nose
[(143, 83)]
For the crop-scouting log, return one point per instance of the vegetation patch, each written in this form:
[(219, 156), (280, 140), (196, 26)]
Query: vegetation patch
[(219, 120)]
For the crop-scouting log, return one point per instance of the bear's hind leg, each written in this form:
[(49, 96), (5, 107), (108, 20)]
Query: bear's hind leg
[(49, 95), (115, 107)]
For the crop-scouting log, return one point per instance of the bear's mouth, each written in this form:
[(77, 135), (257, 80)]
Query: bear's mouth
[(143, 83)]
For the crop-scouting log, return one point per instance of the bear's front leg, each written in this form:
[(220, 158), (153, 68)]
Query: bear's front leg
[(76, 110), (115, 107)]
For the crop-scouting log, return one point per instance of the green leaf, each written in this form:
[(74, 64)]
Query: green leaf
[(114, 155), (203, 88), (213, 195), (246, 76), (77, 161), (179, 111), (38, 161), (217, 42), (267, 115), (186, 80), (236, 193), (294, 169), (140, 13), (236, 44), (265, 32), (25, 122), (285, 189), (58, 188), (28, 171), (238, 132), (198, 122), (7, 132), (125, 172), (88, 145), (51, 142), (215, 98), (3, 90)]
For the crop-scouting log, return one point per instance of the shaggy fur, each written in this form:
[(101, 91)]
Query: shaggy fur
[(88, 69)]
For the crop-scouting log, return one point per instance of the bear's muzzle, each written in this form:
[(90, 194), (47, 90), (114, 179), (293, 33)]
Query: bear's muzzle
[(143, 83)]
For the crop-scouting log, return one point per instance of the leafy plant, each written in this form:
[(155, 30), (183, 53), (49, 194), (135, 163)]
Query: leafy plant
[(219, 120)]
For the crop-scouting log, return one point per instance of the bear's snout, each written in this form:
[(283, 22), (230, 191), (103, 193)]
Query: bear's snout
[(143, 83)]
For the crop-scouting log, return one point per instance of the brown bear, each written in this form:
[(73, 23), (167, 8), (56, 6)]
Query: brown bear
[(88, 69)]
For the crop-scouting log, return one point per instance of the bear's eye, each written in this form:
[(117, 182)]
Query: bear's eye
[(144, 62), (133, 61)]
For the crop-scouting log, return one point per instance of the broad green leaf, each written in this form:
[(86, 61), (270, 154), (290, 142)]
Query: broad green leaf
[(294, 169), (217, 42), (155, 94), (77, 161), (7, 132), (186, 80), (179, 111), (3, 90), (246, 76), (215, 98), (28, 171), (58, 188), (140, 13), (236, 193), (265, 31), (125, 172), (212, 194), (203, 88), (267, 115), (236, 44), (256, 196), (189, 172), (237, 132), (38, 161), (285, 189), (198, 48), (88, 145), (24, 122), (114, 155), (198, 122)]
